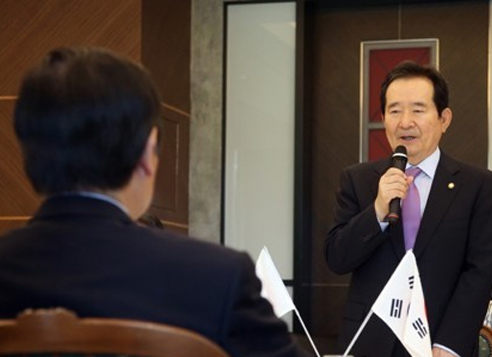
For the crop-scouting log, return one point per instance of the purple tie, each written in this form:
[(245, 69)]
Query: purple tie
[(410, 210)]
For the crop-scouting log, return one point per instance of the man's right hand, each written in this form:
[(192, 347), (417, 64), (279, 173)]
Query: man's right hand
[(394, 183)]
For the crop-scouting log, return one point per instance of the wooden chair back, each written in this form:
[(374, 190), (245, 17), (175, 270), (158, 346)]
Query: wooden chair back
[(484, 347), (60, 331)]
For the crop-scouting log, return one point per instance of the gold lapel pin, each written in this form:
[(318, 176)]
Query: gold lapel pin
[(451, 185)]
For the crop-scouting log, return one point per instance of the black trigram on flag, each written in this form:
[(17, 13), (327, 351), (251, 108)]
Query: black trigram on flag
[(396, 307), (418, 325), (411, 280)]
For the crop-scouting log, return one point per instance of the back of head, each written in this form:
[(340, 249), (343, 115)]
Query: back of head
[(82, 119), (410, 69)]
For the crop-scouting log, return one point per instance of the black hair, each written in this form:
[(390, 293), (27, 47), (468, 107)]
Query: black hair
[(82, 118), (410, 69)]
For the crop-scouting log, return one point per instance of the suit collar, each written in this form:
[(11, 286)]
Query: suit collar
[(69, 206), (95, 195)]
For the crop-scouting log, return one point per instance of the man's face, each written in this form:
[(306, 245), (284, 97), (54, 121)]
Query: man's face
[(411, 118)]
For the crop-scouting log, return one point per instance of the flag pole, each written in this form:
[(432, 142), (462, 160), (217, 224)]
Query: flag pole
[(306, 331), (364, 323)]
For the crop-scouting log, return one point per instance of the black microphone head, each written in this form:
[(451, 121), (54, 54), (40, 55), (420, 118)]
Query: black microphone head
[(400, 151), (399, 157)]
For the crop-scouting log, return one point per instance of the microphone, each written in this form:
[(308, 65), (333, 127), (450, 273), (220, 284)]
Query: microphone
[(399, 160)]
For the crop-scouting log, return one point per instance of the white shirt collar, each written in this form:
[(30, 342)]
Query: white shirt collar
[(97, 196), (429, 164)]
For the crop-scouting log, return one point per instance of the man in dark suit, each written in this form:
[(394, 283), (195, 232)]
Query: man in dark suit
[(453, 246), (88, 122)]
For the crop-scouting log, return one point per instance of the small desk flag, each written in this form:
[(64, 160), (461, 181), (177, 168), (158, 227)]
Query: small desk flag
[(401, 306), (273, 288)]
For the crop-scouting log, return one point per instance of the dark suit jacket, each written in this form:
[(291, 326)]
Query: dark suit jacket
[(87, 255), (453, 251)]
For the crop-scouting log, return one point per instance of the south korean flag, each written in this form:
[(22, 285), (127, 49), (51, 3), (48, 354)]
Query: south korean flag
[(401, 306)]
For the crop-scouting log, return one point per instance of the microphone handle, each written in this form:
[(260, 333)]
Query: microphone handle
[(394, 206), (394, 211)]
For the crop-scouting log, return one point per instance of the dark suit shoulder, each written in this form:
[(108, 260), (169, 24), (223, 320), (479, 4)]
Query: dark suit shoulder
[(195, 251), (454, 166), (363, 168), (363, 176)]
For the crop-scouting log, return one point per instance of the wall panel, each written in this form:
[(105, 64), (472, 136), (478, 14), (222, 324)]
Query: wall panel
[(166, 26), (154, 32), (17, 199), (28, 29), (170, 199)]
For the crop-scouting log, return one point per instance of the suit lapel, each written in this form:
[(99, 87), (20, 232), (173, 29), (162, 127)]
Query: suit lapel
[(441, 196)]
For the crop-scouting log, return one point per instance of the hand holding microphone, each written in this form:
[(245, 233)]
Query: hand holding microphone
[(392, 186)]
